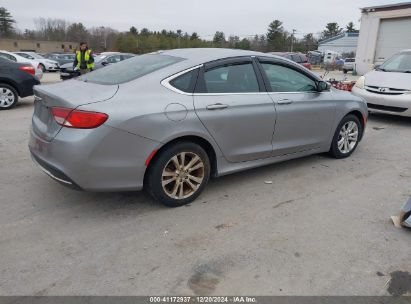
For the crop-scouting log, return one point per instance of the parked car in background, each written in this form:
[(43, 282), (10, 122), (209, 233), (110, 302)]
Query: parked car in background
[(46, 64), (17, 58), (349, 64), (169, 120), (296, 57), (16, 80), (104, 59), (61, 58), (387, 89)]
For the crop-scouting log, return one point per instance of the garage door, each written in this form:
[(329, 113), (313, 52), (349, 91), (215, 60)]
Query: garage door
[(394, 35)]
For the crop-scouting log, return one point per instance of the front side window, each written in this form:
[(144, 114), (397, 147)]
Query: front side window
[(131, 69), (284, 79), (236, 78)]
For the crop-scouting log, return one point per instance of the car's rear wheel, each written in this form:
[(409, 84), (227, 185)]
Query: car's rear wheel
[(178, 174), (8, 97), (346, 137)]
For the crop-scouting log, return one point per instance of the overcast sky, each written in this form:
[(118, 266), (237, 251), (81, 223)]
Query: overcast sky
[(233, 17)]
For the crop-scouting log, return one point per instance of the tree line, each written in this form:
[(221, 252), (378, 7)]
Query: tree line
[(276, 39)]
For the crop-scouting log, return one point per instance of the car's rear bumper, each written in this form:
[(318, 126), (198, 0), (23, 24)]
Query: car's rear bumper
[(102, 159), (26, 87), (54, 173), (388, 104)]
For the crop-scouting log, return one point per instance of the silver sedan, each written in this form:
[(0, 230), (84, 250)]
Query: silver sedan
[(168, 121)]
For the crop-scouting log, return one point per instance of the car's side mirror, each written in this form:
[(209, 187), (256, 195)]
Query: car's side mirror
[(104, 63), (323, 86)]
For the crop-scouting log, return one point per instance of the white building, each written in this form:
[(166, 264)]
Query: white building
[(384, 31), (343, 43)]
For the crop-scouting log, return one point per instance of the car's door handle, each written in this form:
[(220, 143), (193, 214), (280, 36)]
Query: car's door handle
[(285, 101), (217, 106)]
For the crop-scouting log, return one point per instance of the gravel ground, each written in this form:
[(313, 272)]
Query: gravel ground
[(321, 228)]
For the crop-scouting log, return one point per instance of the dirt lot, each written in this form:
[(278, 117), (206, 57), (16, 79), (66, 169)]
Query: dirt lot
[(321, 228)]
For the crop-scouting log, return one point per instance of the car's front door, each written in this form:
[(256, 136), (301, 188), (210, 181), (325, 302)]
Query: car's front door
[(305, 116), (231, 102)]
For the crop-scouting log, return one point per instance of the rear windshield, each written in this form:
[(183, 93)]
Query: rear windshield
[(350, 60), (130, 69)]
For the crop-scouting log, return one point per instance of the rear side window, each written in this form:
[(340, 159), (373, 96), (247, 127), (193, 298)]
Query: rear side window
[(238, 78), (296, 58), (185, 82), (128, 70), (7, 56)]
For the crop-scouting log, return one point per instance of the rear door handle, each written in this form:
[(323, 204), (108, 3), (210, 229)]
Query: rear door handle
[(217, 106), (285, 101)]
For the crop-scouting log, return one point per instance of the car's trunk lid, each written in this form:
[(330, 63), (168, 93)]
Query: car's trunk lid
[(69, 94)]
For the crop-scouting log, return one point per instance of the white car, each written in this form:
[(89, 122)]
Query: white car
[(46, 64), (349, 64), (387, 89), (20, 59)]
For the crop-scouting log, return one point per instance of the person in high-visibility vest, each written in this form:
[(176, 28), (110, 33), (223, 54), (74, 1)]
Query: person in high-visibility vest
[(84, 60)]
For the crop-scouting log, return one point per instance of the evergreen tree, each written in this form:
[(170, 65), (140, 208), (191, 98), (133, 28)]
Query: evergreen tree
[(276, 36), (6, 23), (331, 29), (350, 28)]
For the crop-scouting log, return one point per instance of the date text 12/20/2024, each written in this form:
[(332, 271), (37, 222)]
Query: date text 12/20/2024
[(203, 300)]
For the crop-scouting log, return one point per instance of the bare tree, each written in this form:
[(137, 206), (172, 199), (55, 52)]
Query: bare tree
[(51, 29)]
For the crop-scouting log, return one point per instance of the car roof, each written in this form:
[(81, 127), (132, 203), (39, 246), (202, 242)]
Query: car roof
[(7, 52), (196, 56)]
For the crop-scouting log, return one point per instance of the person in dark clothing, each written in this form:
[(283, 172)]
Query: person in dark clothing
[(84, 61)]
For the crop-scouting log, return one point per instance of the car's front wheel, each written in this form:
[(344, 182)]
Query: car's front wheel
[(346, 137), (43, 68), (178, 174), (8, 96)]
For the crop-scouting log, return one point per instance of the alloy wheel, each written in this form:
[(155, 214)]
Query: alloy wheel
[(183, 175), (348, 137), (6, 97)]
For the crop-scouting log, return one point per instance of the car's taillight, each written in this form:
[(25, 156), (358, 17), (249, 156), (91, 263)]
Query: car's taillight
[(28, 68), (78, 119)]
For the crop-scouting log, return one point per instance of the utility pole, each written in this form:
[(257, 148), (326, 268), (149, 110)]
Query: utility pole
[(292, 40)]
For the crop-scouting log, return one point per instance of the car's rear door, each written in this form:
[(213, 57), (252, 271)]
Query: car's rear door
[(305, 116), (232, 103)]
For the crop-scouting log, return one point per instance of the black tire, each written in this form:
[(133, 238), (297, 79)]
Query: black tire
[(4, 87), (334, 150), (153, 183), (43, 68), (345, 71)]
